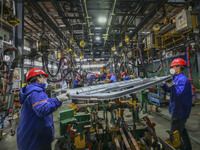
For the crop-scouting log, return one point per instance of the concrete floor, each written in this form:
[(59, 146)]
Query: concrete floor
[(161, 118)]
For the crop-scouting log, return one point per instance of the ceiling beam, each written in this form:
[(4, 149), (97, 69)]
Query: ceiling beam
[(147, 17), (45, 17), (64, 18), (110, 20)]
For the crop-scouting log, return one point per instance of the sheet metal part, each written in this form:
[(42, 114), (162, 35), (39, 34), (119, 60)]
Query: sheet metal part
[(89, 93), (106, 87), (125, 139)]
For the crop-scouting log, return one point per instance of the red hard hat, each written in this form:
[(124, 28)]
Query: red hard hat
[(108, 76), (92, 75), (178, 62), (34, 72), (123, 73), (97, 75)]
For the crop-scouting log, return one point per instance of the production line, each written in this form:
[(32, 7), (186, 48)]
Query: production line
[(99, 74)]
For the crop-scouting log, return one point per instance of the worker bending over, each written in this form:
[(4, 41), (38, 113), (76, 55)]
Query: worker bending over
[(36, 127), (180, 100)]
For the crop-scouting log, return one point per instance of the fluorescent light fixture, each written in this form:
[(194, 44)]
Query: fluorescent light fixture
[(98, 28), (62, 26), (102, 19), (98, 38)]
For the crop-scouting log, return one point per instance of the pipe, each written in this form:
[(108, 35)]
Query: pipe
[(131, 136), (87, 18), (125, 139), (190, 72), (110, 20), (15, 61)]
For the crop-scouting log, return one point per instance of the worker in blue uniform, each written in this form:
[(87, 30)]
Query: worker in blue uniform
[(76, 83), (103, 77), (180, 100), (125, 76), (113, 78), (92, 77), (36, 127)]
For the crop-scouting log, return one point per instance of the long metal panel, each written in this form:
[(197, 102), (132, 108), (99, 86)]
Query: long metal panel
[(143, 84), (107, 87)]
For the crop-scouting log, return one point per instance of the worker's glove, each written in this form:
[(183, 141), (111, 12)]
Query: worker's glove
[(170, 82), (62, 97)]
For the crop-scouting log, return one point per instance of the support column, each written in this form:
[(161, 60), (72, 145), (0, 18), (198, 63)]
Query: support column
[(18, 34)]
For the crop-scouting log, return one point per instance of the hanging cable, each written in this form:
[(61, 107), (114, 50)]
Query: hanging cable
[(45, 59), (190, 71), (141, 57)]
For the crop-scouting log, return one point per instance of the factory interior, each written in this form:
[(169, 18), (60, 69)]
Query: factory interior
[(99, 74)]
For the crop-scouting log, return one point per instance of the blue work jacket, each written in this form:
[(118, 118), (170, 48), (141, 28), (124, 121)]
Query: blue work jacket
[(92, 78), (36, 127), (113, 79), (127, 78), (180, 97), (75, 84), (103, 77)]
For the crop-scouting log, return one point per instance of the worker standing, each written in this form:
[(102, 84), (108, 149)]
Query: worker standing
[(125, 76), (113, 78), (77, 82), (36, 127), (92, 77), (180, 100)]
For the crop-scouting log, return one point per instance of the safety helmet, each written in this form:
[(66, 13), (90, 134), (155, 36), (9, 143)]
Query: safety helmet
[(97, 74), (123, 73), (108, 76), (34, 72), (178, 62), (92, 75)]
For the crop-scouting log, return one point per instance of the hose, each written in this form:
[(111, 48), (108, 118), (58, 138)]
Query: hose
[(45, 62), (62, 78), (190, 71), (15, 61), (145, 65)]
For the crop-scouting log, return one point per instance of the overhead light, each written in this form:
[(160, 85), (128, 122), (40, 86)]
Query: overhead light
[(62, 25), (98, 28), (102, 19), (98, 38)]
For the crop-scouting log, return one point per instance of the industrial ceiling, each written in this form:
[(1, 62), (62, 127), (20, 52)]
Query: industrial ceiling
[(101, 24)]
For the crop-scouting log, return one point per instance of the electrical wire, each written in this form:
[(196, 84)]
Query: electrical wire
[(141, 57), (62, 78), (189, 70), (59, 66)]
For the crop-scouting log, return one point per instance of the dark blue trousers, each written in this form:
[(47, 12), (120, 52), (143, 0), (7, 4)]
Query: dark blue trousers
[(179, 124)]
